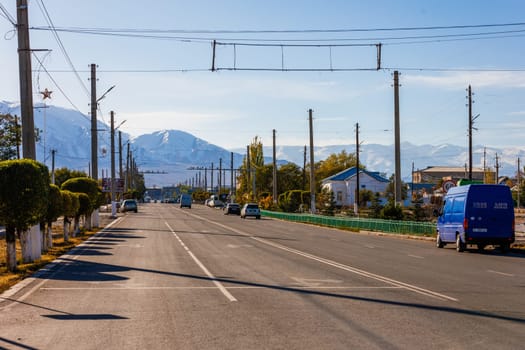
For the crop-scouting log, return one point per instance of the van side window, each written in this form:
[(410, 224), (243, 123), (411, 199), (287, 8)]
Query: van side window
[(459, 205)]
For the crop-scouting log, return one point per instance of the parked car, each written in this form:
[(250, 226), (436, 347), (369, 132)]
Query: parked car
[(129, 205), (216, 203), (185, 201), (250, 209), (232, 208)]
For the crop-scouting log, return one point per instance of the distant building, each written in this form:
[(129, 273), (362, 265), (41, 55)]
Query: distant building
[(434, 174), (343, 184)]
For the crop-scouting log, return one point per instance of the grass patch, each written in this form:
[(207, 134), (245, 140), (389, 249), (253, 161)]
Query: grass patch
[(8, 279)]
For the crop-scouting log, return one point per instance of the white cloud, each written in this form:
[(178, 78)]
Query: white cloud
[(478, 79)]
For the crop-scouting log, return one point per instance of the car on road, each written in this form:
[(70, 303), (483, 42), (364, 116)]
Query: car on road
[(250, 209), (232, 208), (185, 200), (129, 205)]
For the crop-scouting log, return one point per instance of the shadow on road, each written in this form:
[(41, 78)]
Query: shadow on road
[(98, 272)]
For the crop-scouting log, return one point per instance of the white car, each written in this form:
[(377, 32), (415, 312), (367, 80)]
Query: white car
[(250, 209)]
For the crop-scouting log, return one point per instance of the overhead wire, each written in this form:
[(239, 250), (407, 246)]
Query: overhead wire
[(7, 15), (61, 45), (58, 86)]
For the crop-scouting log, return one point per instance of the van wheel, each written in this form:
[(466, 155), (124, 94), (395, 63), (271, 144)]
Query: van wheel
[(504, 248), (439, 242), (460, 246), (481, 248)]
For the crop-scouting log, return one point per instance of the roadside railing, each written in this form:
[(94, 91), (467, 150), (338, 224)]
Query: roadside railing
[(392, 226)]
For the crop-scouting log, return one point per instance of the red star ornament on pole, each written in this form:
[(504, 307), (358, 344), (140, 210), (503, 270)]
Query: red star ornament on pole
[(46, 94)]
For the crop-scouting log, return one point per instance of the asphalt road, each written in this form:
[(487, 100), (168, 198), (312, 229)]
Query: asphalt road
[(171, 278)]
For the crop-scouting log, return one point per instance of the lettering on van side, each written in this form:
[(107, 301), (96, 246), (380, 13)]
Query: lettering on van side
[(500, 205), (480, 205)]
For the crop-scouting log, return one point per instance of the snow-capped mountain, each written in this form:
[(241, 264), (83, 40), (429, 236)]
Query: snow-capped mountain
[(167, 156)]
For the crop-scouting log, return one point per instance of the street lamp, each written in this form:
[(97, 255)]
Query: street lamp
[(113, 128)]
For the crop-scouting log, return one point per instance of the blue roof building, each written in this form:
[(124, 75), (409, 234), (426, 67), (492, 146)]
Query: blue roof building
[(343, 184)]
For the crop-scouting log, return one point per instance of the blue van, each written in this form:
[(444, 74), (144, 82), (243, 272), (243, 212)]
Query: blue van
[(477, 214), (185, 200)]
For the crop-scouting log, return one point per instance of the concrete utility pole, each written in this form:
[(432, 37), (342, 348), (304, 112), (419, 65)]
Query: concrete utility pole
[(211, 178), (53, 151), (220, 175), (26, 84), (312, 175), (274, 171), (94, 135), (519, 183), (120, 172), (126, 182), (497, 169), (356, 203), (248, 168), (304, 169), (397, 177), (232, 189), (113, 203), (471, 127), (33, 247)]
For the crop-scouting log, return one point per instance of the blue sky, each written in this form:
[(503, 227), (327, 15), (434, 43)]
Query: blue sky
[(229, 108)]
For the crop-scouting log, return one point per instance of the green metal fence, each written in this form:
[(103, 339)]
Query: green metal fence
[(392, 226)]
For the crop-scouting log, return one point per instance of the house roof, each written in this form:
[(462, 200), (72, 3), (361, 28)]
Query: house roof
[(351, 172)]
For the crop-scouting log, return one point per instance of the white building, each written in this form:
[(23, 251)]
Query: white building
[(343, 184)]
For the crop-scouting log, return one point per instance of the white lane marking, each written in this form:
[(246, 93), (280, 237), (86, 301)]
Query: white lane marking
[(501, 273), (348, 268), (416, 256), (203, 268), (230, 287), (61, 264), (312, 282), (369, 246)]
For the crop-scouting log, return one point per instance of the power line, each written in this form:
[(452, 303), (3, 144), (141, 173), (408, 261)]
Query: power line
[(7, 15), (58, 86), (289, 31), (61, 45)]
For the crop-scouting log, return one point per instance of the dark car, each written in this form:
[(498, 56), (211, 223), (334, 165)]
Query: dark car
[(232, 208), (250, 209), (129, 205)]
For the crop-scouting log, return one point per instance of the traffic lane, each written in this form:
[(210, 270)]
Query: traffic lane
[(126, 296), (281, 281), (401, 258), (474, 279)]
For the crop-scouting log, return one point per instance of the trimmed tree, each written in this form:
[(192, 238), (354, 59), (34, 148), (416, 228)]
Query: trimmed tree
[(55, 208), (84, 208), (71, 204), (24, 188), (88, 186)]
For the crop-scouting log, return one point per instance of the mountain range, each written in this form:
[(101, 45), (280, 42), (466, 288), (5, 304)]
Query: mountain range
[(167, 157)]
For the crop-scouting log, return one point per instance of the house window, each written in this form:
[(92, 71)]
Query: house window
[(339, 196)]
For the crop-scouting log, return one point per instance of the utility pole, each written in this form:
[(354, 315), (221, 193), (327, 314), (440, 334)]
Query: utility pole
[(274, 171), (248, 168), (33, 247), (519, 182), (17, 138), (497, 169), (304, 168), (120, 155), (220, 175), (205, 179), (26, 84), (312, 175), (484, 164), (471, 127), (232, 189), (397, 183), (211, 179), (94, 135), (126, 182), (469, 133), (113, 203), (356, 202), (53, 151)]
